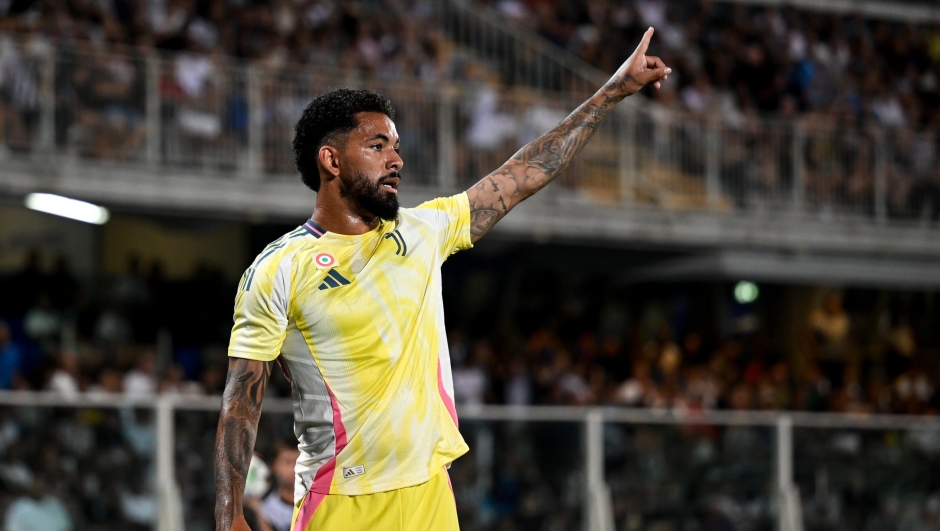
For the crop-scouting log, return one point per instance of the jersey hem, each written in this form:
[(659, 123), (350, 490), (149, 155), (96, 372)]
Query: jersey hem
[(248, 355), (401, 482)]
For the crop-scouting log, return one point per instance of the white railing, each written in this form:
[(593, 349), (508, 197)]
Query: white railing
[(236, 121), (519, 56), (478, 423)]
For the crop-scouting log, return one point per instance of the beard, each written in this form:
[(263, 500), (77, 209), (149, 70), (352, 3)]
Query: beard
[(372, 198)]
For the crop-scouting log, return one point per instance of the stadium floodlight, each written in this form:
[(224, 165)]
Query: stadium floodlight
[(68, 208), (746, 292)]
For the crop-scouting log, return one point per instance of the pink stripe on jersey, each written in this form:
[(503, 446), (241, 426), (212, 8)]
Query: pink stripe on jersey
[(448, 401), (324, 476), (311, 227), (307, 509)]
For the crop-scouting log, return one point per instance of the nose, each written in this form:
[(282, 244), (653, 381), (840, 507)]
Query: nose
[(394, 162)]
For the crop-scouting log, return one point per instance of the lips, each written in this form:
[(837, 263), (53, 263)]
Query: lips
[(390, 184)]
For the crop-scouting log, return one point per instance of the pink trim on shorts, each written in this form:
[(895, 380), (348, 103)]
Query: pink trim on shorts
[(324, 476), (448, 401), (308, 508)]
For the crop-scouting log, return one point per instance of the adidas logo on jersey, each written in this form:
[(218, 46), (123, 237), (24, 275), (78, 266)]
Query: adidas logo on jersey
[(333, 280), (357, 470)]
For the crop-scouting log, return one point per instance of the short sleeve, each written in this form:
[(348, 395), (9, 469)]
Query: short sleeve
[(452, 217), (261, 309)]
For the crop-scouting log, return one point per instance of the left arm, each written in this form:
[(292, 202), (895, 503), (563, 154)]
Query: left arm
[(543, 159)]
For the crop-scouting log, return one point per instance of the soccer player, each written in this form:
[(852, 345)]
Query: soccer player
[(349, 304)]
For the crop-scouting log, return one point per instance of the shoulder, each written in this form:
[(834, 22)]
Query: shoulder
[(439, 209), (287, 246)]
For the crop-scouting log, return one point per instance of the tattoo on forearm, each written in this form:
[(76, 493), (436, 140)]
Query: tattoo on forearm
[(235, 441), (539, 161)]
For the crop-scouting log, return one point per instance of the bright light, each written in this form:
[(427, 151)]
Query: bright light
[(746, 292), (68, 208)]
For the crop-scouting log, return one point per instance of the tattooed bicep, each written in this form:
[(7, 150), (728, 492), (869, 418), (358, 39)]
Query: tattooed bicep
[(246, 382), (490, 200)]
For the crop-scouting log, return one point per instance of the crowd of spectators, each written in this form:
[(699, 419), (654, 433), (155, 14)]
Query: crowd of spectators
[(144, 335), (734, 57), (394, 38), (838, 73), (553, 342), (846, 368), (102, 47)]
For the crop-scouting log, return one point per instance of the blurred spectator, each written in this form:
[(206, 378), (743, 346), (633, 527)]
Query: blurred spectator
[(174, 382), (277, 508), (471, 381), (38, 510), (830, 325), (636, 389), (142, 380), (10, 359), (42, 322), (518, 384), (109, 382), (138, 504), (65, 378), (19, 92), (130, 288)]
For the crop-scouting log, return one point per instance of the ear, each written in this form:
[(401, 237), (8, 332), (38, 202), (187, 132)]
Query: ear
[(328, 157)]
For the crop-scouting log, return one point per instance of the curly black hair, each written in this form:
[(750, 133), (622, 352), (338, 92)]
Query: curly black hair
[(326, 120)]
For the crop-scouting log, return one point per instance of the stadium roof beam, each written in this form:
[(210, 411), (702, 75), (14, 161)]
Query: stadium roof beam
[(906, 11), (556, 215), (789, 268)]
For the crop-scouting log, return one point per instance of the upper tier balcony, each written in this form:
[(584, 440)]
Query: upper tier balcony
[(204, 135)]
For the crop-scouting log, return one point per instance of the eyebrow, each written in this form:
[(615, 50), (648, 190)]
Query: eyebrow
[(382, 136)]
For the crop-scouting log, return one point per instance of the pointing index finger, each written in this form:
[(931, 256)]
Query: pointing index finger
[(645, 41)]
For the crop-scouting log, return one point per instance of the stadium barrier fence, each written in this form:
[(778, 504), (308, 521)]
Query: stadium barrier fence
[(589, 468)]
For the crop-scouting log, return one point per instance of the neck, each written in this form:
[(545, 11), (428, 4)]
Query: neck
[(342, 215), (286, 492)]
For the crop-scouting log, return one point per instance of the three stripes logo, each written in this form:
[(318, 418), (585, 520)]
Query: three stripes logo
[(354, 471), (402, 249), (333, 280)]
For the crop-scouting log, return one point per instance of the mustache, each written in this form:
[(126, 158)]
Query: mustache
[(392, 175)]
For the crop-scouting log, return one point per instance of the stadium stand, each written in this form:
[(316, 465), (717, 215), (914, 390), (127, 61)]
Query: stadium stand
[(840, 142), (594, 342), (642, 346)]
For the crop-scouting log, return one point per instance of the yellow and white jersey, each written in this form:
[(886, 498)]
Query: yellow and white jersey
[(357, 324)]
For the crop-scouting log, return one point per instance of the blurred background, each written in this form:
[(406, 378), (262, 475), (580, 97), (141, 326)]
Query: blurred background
[(723, 316)]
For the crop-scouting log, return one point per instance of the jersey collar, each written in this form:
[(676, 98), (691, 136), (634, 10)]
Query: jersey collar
[(316, 230)]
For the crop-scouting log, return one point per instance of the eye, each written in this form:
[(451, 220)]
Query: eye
[(377, 147)]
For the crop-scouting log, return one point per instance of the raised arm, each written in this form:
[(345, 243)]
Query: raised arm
[(235, 440), (543, 159)]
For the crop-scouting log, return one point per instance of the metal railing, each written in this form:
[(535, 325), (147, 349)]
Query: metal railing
[(205, 115), (520, 57), (589, 468)]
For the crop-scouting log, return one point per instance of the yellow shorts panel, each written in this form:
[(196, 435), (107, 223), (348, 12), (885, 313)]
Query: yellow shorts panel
[(429, 506)]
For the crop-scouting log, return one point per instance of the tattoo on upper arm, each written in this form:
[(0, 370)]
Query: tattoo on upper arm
[(238, 427), (480, 222)]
